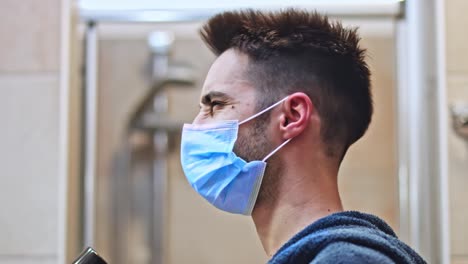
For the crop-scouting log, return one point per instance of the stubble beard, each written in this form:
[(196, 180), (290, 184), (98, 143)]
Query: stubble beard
[(252, 144)]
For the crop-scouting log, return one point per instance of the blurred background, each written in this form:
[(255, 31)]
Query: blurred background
[(94, 94)]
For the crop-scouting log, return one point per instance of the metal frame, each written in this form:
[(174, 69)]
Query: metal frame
[(402, 103), (90, 126), (422, 130), (422, 153)]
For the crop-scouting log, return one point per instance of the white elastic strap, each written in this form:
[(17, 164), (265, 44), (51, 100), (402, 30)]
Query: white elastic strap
[(275, 150), (263, 111)]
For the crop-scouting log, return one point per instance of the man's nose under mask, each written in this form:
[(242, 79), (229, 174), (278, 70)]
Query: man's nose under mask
[(215, 172)]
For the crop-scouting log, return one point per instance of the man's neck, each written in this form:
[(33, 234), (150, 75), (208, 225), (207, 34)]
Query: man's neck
[(297, 206)]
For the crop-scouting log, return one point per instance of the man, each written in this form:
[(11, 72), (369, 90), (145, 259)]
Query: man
[(287, 95)]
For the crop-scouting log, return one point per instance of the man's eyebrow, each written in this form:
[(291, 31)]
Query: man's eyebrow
[(206, 99)]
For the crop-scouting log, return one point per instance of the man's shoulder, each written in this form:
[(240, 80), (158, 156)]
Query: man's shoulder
[(346, 237), (345, 252)]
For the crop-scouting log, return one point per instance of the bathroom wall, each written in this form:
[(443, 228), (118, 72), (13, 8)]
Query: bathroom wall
[(34, 159), (33, 79), (368, 175), (457, 90)]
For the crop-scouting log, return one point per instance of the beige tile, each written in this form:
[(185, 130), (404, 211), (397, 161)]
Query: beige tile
[(457, 87), (371, 190), (458, 170), (29, 34), (368, 177), (456, 24), (376, 149), (29, 157), (459, 259)]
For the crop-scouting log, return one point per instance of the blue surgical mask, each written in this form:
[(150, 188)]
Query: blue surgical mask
[(212, 168)]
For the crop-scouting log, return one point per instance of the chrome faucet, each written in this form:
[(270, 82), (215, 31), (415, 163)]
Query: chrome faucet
[(460, 119), (143, 159), (150, 111)]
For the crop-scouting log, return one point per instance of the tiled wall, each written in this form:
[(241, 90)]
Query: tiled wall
[(29, 146), (368, 174), (457, 90)]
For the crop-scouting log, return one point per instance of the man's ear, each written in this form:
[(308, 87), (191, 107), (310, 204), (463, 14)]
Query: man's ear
[(297, 113)]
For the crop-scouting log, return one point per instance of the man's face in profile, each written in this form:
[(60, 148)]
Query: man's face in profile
[(227, 94)]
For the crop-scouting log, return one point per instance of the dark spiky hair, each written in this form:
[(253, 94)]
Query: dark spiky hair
[(262, 34), (299, 51)]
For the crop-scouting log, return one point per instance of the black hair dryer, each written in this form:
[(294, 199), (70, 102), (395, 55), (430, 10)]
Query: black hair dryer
[(89, 256)]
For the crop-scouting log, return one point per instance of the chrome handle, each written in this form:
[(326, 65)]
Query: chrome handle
[(460, 119), (90, 135)]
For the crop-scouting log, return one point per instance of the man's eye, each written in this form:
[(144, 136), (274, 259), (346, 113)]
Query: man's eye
[(214, 104)]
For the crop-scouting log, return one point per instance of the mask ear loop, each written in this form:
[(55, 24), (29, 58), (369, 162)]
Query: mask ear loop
[(276, 150), (263, 111)]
